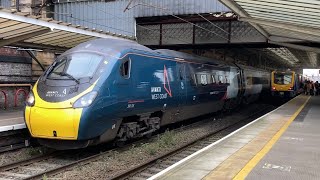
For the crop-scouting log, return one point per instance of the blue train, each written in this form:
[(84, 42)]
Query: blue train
[(114, 90)]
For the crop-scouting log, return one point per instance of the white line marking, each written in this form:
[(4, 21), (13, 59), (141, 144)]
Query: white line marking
[(12, 127), (209, 146), (273, 166), (293, 138)]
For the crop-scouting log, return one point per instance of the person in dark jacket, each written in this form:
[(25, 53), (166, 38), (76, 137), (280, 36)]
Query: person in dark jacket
[(316, 87)]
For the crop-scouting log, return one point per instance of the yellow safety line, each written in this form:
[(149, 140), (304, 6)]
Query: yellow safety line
[(256, 159)]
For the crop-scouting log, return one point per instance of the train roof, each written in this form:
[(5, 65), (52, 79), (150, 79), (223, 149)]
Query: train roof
[(107, 46), (116, 47), (284, 71), (189, 57)]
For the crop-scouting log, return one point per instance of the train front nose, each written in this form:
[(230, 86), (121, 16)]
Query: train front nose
[(54, 123)]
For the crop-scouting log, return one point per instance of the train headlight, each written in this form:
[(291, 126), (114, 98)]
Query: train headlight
[(86, 100), (30, 99)]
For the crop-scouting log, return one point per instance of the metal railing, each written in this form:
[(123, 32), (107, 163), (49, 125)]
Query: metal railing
[(17, 92)]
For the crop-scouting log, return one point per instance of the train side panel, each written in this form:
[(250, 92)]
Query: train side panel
[(205, 92), (256, 83)]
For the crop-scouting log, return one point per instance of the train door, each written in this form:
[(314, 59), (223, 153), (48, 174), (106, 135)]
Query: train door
[(181, 70), (241, 85), (123, 84)]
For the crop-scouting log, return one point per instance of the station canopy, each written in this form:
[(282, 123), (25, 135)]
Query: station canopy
[(24, 30), (291, 23)]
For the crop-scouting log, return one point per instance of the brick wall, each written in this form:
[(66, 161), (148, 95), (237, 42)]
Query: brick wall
[(17, 67), (12, 93), (46, 59)]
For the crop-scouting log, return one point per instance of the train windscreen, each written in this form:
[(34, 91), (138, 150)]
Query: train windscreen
[(77, 65), (283, 78)]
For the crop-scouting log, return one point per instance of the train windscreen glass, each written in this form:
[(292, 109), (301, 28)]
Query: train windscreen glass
[(283, 78), (77, 65)]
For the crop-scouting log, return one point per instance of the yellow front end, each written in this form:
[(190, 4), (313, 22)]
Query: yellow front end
[(54, 120), (282, 87), (53, 123)]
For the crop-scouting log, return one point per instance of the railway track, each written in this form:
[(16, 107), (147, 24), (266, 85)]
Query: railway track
[(154, 166), (56, 162), (14, 139)]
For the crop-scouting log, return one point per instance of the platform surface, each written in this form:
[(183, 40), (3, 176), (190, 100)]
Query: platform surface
[(296, 155), (11, 120), (274, 146)]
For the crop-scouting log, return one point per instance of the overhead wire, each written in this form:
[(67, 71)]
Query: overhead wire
[(164, 9), (154, 30), (230, 34), (171, 14), (168, 11), (70, 16)]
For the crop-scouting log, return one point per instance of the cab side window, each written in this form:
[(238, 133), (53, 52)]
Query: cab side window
[(125, 69)]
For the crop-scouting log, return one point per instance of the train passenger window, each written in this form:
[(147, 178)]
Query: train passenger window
[(125, 69), (202, 78), (221, 81), (213, 79), (194, 80), (227, 80), (209, 78)]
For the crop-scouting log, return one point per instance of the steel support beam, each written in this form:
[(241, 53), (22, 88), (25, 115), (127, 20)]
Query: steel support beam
[(35, 58), (283, 25), (40, 46), (39, 22), (284, 39), (5, 42), (160, 35), (235, 8), (295, 46), (312, 58)]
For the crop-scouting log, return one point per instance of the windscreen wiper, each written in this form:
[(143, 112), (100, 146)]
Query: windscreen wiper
[(68, 75), (49, 70)]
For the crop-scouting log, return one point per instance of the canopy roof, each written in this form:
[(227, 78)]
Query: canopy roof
[(24, 30), (288, 23)]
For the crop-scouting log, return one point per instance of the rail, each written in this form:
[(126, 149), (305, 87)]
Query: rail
[(54, 159)]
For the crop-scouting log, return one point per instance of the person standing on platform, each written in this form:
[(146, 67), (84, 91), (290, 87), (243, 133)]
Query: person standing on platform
[(308, 85), (305, 87), (316, 88), (311, 88)]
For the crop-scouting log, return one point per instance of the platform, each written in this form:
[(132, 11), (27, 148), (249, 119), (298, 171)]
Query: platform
[(283, 144), (11, 120)]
